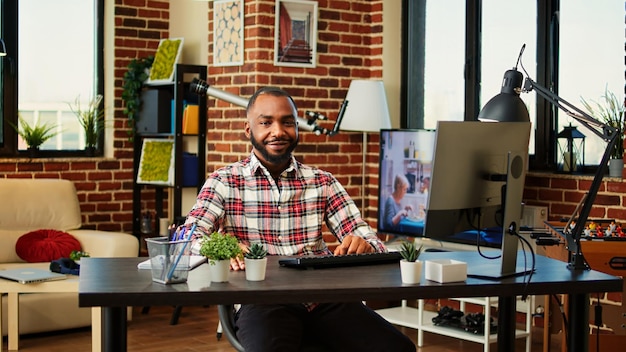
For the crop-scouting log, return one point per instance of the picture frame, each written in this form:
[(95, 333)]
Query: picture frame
[(228, 37), (295, 34), (168, 54), (156, 165)]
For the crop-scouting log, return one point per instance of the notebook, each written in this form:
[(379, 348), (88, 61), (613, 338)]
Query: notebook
[(30, 275)]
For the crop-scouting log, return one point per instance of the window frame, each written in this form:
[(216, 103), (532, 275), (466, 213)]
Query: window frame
[(9, 89)]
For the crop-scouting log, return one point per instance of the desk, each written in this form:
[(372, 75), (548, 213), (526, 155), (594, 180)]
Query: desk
[(115, 283)]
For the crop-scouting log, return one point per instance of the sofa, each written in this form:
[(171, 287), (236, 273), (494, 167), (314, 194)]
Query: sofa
[(34, 205)]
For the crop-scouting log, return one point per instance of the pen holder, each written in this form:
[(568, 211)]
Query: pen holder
[(169, 260)]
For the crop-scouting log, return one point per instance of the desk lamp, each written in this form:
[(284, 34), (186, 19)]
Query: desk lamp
[(508, 101), (366, 110)]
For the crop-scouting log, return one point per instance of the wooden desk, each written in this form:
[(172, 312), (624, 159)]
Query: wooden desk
[(115, 283)]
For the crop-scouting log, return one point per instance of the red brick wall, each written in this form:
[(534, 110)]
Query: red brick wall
[(349, 47)]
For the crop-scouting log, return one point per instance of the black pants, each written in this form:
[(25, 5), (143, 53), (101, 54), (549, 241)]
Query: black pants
[(336, 326)]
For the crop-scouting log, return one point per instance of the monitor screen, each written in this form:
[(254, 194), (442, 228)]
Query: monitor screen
[(404, 177)]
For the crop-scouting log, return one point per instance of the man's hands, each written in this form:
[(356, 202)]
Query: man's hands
[(353, 245)]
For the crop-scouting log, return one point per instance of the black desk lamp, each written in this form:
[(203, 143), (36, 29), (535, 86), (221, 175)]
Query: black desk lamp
[(507, 106)]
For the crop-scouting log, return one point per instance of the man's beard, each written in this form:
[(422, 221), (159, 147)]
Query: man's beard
[(273, 158)]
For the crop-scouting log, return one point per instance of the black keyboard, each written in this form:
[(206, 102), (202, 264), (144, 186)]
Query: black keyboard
[(334, 261)]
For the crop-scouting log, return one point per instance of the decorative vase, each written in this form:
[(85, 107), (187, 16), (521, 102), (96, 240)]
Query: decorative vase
[(220, 270), (255, 269), (33, 152), (90, 151), (616, 166), (410, 272)]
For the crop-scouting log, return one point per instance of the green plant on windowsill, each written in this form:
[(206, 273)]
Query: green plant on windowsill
[(36, 135), (91, 119), (610, 110)]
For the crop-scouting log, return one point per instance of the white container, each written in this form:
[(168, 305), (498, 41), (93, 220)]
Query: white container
[(411, 272), (445, 270)]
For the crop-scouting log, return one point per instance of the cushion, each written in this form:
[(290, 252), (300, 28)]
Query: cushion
[(46, 245)]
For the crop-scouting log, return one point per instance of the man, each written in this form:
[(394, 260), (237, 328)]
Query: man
[(271, 198)]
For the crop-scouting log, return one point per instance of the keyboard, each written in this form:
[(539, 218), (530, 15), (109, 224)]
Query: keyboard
[(334, 261)]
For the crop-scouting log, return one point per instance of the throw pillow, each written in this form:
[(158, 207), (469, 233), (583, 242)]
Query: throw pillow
[(45, 245)]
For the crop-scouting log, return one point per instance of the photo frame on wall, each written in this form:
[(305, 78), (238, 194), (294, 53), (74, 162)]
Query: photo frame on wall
[(156, 165), (295, 35), (228, 35)]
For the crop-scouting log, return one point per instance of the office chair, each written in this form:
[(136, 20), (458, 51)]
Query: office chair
[(226, 315)]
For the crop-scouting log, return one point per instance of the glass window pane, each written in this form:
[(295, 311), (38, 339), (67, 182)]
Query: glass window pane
[(444, 87), (58, 67), (591, 60), (502, 40)]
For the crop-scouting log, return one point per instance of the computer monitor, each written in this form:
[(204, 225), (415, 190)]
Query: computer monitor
[(476, 188), (405, 161)]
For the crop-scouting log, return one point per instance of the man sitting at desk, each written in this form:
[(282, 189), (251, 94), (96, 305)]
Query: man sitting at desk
[(273, 199)]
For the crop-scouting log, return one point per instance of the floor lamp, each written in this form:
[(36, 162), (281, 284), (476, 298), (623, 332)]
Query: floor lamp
[(366, 111)]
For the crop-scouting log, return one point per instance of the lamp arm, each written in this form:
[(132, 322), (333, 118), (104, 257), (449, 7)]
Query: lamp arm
[(604, 131), (199, 86)]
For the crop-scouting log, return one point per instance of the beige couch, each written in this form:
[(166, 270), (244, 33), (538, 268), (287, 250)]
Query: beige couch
[(33, 204)]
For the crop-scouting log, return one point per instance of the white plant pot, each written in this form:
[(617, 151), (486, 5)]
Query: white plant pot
[(616, 166), (220, 270), (255, 269), (410, 272)]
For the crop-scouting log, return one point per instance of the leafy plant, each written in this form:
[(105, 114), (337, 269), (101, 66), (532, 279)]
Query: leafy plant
[(219, 246), (36, 135), (256, 251), (137, 74), (409, 252), (610, 110), (91, 119), (76, 255)]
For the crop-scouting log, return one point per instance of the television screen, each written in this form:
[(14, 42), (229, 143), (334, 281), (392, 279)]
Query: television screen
[(404, 180)]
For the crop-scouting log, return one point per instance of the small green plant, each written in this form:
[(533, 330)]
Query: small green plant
[(610, 110), (409, 252), (256, 251), (220, 246), (91, 119), (36, 135), (76, 255)]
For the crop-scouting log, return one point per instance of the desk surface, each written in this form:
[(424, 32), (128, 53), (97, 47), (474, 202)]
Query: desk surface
[(116, 282)]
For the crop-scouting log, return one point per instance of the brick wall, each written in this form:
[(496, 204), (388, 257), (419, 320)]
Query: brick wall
[(349, 47)]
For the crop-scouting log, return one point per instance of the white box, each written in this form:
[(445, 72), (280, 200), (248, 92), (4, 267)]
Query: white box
[(446, 270)]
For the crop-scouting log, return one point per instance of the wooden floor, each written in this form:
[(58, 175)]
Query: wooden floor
[(196, 331)]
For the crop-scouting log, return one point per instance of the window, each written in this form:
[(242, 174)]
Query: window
[(54, 52), (456, 53)]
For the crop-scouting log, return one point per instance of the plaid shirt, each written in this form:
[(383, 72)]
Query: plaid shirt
[(285, 215)]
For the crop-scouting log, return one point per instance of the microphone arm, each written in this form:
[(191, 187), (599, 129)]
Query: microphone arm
[(309, 123)]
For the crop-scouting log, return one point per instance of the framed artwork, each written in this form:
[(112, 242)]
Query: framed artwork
[(167, 56), (228, 33), (156, 165), (295, 38)]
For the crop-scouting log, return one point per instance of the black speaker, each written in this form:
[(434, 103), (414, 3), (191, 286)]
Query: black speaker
[(156, 112)]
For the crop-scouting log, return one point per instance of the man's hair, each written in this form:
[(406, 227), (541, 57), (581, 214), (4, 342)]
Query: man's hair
[(273, 91)]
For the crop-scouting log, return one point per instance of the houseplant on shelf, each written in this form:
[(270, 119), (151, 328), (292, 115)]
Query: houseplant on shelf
[(219, 248), (610, 110), (92, 121), (256, 262), (138, 72), (34, 136), (410, 266)]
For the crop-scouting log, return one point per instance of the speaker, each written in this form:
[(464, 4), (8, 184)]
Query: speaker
[(155, 113)]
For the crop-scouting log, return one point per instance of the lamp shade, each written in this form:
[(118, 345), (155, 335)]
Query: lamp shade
[(367, 109), (3, 48), (506, 106)]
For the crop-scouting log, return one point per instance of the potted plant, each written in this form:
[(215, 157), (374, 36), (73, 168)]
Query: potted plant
[(76, 255), (34, 136), (219, 248), (92, 121), (410, 266), (256, 262), (611, 111), (138, 72)]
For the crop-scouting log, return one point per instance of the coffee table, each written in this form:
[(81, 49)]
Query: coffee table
[(14, 289)]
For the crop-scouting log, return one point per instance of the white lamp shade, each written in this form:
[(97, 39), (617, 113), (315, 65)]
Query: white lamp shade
[(367, 109)]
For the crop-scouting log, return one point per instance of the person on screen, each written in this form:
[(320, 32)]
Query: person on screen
[(273, 199), (393, 211), (425, 186)]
